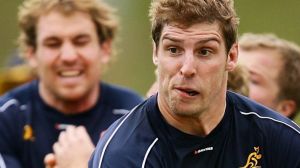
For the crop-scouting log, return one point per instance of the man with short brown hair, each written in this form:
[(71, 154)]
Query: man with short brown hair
[(65, 111), (193, 121)]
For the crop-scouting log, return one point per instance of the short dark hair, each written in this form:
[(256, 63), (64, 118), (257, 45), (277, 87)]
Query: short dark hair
[(187, 12)]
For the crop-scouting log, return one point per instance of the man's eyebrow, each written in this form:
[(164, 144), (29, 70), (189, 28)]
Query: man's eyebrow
[(257, 75), (50, 38), (202, 40), (208, 39), (174, 39), (83, 35)]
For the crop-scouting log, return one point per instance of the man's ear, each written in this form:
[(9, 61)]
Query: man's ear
[(106, 52), (31, 57), (286, 107), (154, 53), (232, 57)]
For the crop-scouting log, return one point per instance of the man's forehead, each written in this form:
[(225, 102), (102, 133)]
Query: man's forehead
[(206, 31), (58, 23), (58, 14), (260, 61)]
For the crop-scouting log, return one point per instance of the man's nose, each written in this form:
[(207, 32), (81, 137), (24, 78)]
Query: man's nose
[(188, 68), (68, 52)]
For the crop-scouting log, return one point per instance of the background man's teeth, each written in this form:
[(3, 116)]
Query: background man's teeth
[(70, 73)]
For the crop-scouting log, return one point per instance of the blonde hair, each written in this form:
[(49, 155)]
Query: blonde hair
[(238, 80), (30, 11)]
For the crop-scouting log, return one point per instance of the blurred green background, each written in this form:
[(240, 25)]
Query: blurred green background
[(133, 67)]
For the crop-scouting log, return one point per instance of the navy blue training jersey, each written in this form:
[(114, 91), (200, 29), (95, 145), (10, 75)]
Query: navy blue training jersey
[(29, 127), (248, 136)]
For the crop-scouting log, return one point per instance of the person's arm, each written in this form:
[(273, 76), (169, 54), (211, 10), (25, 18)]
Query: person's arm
[(9, 135), (122, 146), (7, 161), (97, 154), (72, 150), (289, 150), (283, 146)]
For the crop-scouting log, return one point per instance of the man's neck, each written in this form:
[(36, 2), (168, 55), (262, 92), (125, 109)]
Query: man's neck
[(70, 107), (200, 125)]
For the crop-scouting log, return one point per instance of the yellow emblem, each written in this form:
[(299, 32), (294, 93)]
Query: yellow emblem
[(253, 158), (28, 133)]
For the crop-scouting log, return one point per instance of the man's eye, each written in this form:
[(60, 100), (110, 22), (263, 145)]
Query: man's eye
[(173, 50), (204, 52), (254, 81), (52, 44), (81, 41)]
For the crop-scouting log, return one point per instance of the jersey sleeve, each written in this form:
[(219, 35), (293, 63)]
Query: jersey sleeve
[(98, 153), (286, 148), (292, 158), (128, 143), (9, 135), (7, 161)]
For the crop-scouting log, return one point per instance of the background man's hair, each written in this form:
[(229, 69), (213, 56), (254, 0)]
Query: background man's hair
[(30, 11)]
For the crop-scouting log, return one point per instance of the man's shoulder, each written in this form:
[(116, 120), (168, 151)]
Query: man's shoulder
[(18, 96), (134, 123), (14, 109), (277, 135), (132, 134), (263, 117)]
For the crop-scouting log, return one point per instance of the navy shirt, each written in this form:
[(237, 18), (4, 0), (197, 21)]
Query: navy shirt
[(249, 135), (29, 127)]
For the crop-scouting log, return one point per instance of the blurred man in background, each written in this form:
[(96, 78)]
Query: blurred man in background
[(274, 71), (64, 112)]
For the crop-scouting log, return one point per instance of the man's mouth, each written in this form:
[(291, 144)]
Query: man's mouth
[(190, 92), (70, 73)]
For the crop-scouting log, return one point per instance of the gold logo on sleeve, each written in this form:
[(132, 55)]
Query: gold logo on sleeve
[(253, 159), (28, 133)]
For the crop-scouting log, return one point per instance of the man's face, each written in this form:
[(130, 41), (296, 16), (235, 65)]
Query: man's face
[(192, 68), (264, 66), (68, 56)]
